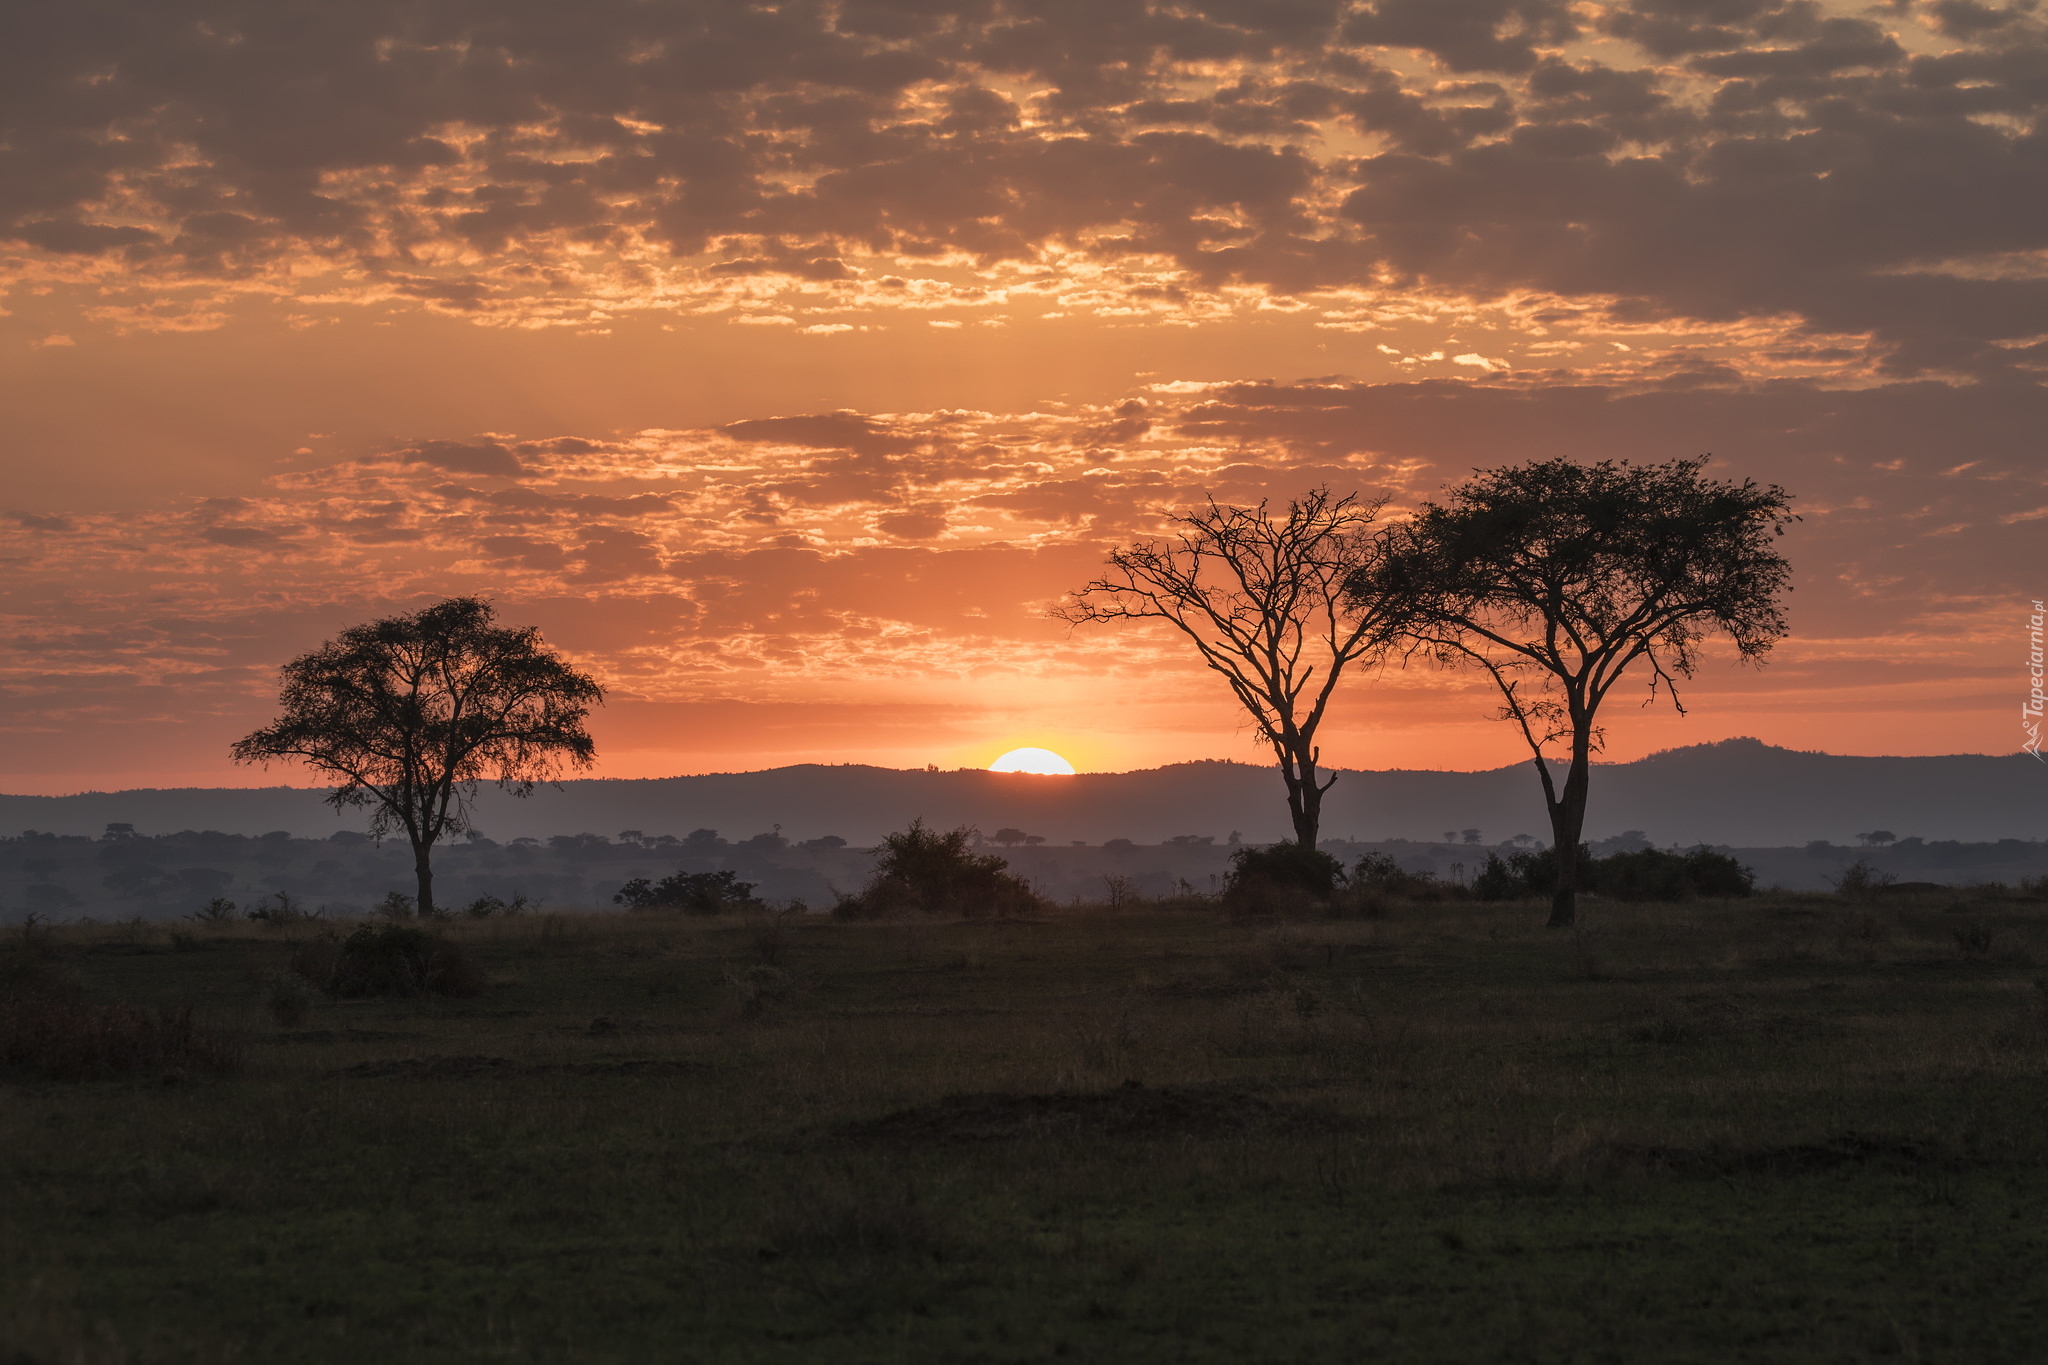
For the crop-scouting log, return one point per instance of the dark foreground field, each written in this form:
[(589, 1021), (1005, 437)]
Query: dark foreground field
[(1781, 1130)]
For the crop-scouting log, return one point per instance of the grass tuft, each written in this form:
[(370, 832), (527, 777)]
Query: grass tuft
[(59, 1038)]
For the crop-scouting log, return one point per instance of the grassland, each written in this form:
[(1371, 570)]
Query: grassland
[(1786, 1129)]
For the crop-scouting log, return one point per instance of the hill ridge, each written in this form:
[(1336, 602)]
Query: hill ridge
[(1736, 791)]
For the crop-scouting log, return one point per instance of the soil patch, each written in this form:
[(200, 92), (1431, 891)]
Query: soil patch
[(458, 1068), (1804, 1158), (1131, 1111)]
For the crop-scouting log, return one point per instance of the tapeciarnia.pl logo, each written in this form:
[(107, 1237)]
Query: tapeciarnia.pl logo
[(2030, 712)]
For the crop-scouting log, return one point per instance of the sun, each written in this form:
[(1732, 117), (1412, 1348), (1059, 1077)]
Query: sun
[(1032, 761)]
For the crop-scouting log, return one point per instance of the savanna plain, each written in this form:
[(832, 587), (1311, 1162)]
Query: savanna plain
[(1786, 1128)]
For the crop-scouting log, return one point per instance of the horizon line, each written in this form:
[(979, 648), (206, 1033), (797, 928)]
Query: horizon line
[(1116, 772)]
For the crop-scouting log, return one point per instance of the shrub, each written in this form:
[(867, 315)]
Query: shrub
[(285, 911), (1647, 874), (1279, 877), (395, 905), (1121, 893), (62, 1038), (1651, 875), (483, 907), (219, 910), (1502, 880), (1860, 881), (289, 1000), (1380, 873), (756, 988), (696, 893), (388, 960), (1718, 874), (921, 871)]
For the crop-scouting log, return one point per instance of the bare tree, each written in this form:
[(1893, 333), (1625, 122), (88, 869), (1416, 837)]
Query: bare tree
[(1558, 578), (412, 712), (1260, 596)]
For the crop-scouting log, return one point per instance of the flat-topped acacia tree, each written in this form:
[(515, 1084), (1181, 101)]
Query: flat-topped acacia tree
[(1559, 578), (1260, 596), (412, 713)]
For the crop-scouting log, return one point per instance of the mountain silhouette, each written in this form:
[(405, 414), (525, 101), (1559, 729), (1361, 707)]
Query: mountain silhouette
[(1738, 792)]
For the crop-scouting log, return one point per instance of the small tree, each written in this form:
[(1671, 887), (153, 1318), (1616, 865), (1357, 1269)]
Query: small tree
[(412, 712), (930, 872), (1558, 578), (699, 893), (1261, 599)]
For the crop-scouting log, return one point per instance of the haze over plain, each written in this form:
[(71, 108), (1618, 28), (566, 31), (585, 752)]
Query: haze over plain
[(785, 364)]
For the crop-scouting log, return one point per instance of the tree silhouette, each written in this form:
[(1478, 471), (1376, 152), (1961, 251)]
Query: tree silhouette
[(1261, 598), (1558, 578), (412, 712)]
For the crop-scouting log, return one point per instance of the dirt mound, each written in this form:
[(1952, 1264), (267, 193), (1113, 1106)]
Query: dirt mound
[(1843, 1150), (459, 1068), (432, 1068), (1131, 1111)]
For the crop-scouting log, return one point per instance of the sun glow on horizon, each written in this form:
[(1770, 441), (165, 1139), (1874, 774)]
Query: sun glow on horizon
[(1041, 761)]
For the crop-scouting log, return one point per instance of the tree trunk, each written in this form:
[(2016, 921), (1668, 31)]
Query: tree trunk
[(1304, 797), (1567, 826), (423, 869)]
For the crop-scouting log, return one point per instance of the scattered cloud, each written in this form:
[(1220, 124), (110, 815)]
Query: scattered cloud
[(786, 556), (1828, 174)]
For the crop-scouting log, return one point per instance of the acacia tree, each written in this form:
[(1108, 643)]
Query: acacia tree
[(1260, 597), (1558, 578), (413, 712)]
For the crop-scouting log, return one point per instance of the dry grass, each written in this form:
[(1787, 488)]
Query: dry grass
[(61, 1039), (1145, 1135)]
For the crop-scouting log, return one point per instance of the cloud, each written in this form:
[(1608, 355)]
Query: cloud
[(1720, 168), (827, 431), (463, 457), (921, 568), (240, 537), (924, 522)]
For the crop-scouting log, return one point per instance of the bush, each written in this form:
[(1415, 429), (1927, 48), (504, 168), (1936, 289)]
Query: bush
[(1860, 881), (219, 910), (388, 960), (1506, 880), (1647, 874), (62, 1038), (1377, 874), (286, 911), (483, 907), (289, 1001), (696, 893), (1279, 877), (1650, 875), (921, 871)]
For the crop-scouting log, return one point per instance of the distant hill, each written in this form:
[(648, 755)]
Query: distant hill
[(1740, 792)]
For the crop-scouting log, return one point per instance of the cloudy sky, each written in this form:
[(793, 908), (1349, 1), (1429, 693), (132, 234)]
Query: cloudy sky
[(786, 362)]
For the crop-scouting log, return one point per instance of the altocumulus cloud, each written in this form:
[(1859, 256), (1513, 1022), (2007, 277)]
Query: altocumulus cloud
[(1808, 182), (782, 557)]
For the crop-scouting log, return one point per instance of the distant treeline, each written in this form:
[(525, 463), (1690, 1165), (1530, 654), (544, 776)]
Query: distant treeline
[(123, 872)]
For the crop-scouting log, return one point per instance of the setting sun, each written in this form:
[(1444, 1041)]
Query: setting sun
[(1043, 761)]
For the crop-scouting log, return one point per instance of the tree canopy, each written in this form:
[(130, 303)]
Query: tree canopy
[(412, 713), (1260, 596), (1558, 579)]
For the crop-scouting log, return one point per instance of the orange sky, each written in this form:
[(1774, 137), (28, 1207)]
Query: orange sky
[(785, 363)]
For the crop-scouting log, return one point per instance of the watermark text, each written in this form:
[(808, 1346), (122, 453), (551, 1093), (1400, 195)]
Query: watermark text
[(2030, 712)]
